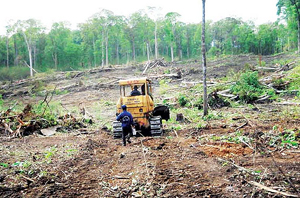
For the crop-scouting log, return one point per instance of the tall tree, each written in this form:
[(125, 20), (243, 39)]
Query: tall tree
[(291, 10), (171, 20), (57, 41), (205, 104), (155, 14), (30, 29)]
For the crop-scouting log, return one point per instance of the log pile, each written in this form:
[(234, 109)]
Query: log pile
[(27, 122), (154, 63), (18, 125)]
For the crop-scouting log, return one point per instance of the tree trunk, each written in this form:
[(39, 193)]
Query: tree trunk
[(94, 49), (102, 49), (127, 58), (118, 56), (16, 61), (298, 34), (7, 52), (54, 56), (29, 53), (172, 53), (180, 53), (148, 55), (133, 51), (297, 6), (106, 49), (34, 55), (156, 45), (205, 104)]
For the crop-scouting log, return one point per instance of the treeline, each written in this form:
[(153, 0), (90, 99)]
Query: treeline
[(106, 39)]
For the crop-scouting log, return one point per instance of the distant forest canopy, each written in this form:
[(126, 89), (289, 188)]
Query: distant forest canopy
[(109, 39)]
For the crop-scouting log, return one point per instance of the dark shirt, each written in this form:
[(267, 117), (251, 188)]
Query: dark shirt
[(126, 118), (135, 93)]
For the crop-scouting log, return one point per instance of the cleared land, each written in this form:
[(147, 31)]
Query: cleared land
[(240, 151)]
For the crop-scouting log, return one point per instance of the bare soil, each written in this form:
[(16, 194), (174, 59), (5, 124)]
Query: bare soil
[(181, 163)]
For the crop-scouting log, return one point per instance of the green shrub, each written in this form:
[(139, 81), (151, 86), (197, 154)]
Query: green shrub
[(49, 112), (183, 100), (1, 101), (14, 73), (248, 87), (199, 103), (163, 87), (294, 78), (214, 51)]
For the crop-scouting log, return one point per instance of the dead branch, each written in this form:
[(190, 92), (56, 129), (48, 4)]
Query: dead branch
[(286, 67), (144, 149), (225, 93), (29, 66), (167, 76), (17, 132), (288, 103), (280, 169), (152, 64), (294, 151), (47, 102), (7, 128), (240, 168), (146, 67), (27, 178), (120, 177), (272, 69), (270, 189), (262, 99)]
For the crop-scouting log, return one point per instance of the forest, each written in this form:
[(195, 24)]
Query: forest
[(108, 39)]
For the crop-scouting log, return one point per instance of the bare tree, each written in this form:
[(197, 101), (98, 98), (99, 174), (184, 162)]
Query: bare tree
[(205, 105), (30, 29), (7, 51), (155, 14)]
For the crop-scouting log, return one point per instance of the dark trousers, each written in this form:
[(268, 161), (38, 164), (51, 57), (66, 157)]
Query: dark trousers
[(126, 131)]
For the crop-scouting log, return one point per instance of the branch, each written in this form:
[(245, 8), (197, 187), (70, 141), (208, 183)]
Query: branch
[(280, 169), (270, 189), (29, 67)]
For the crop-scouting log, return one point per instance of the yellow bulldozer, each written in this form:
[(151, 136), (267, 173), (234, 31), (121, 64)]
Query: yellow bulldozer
[(136, 94)]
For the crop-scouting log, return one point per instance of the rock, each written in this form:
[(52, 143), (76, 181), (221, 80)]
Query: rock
[(49, 131), (122, 155)]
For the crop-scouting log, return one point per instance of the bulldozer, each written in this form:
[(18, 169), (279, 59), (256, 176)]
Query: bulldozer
[(146, 117)]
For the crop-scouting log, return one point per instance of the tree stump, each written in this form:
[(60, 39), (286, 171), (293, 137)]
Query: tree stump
[(179, 117)]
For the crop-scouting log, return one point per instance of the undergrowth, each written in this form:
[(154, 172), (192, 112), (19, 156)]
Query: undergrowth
[(248, 87), (14, 73)]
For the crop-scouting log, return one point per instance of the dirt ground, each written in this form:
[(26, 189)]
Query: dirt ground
[(190, 162)]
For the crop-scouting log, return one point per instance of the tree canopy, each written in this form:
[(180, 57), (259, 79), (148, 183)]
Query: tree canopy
[(106, 38)]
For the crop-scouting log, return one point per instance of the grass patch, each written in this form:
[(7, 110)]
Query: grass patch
[(14, 73)]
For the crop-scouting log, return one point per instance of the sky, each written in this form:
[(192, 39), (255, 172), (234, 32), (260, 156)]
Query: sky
[(78, 11)]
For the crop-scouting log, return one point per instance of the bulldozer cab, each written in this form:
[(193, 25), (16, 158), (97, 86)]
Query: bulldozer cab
[(136, 94), (143, 87), (139, 101)]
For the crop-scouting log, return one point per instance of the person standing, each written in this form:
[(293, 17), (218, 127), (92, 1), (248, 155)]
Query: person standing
[(127, 121)]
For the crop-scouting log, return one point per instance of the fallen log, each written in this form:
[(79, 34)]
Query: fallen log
[(152, 64), (270, 189), (286, 67), (288, 103), (166, 76), (263, 99), (225, 93), (273, 69), (147, 65)]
